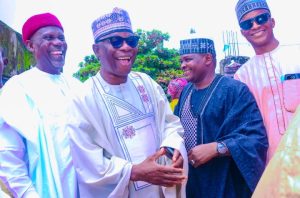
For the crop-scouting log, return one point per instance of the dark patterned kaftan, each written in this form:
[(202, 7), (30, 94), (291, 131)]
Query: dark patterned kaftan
[(225, 111)]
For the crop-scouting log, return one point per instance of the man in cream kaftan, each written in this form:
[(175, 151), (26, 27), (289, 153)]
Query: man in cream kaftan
[(35, 158), (276, 96), (116, 126), (33, 109)]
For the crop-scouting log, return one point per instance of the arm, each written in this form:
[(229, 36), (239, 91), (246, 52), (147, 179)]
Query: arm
[(13, 169), (244, 134)]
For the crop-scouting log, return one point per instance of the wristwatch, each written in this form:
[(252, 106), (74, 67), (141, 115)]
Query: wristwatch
[(221, 148)]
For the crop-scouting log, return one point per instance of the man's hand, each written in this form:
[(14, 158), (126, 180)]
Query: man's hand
[(203, 153), (177, 159), (151, 172)]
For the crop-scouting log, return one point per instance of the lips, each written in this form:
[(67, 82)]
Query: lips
[(257, 33), (187, 72), (57, 54), (124, 60)]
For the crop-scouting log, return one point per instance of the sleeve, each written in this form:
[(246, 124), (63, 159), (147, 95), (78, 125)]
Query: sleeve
[(98, 170), (13, 169), (171, 129), (13, 156), (244, 134)]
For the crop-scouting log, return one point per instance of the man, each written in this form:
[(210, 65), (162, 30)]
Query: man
[(223, 129), (281, 177), (272, 75), (175, 88), (121, 120), (3, 63), (35, 158)]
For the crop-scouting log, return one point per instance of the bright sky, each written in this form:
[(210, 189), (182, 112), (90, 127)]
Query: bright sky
[(210, 18)]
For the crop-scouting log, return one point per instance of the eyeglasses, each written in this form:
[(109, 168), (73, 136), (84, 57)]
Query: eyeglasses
[(259, 19), (117, 41)]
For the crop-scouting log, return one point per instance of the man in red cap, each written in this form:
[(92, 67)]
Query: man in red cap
[(34, 154)]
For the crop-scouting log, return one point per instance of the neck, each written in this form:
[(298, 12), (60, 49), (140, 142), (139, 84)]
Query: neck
[(205, 82), (53, 71), (113, 79), (266, 48)]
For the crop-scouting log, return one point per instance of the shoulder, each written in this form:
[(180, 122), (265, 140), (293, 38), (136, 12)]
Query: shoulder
[(141, 75), (233, 85), (244, 67), (19, 79)]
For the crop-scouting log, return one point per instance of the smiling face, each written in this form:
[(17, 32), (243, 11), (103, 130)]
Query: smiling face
[(49, 48), (261, 36), (116, 63), (198, 68)]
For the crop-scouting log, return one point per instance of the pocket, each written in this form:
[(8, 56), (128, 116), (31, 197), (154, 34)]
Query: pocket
[(291, 94)]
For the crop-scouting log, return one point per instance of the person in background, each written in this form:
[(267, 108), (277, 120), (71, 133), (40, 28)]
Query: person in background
[(125, 140), (3, 63), (223, 128), (273, 74), (35, 158), (281, 177), (174, 90)]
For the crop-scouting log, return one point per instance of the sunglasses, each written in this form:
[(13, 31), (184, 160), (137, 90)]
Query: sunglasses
[(259, 19), (117, 41)]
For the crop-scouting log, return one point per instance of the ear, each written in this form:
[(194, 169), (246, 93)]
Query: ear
[(273, 22), (96, 49), (208, 59), (29, 45)]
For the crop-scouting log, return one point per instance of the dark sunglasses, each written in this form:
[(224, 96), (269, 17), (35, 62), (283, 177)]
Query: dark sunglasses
[(259, 19), (117, 41)]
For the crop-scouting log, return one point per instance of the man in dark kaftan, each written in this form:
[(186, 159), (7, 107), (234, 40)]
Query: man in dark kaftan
[(224, 132)]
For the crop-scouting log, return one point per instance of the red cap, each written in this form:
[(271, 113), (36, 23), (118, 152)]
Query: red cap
[(38, 21)]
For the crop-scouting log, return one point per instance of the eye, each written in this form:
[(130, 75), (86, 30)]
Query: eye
[(188, 59), (61, 38), (48, 37)]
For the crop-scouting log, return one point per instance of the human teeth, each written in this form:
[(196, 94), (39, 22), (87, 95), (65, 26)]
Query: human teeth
[(124, 58), (57, 53)]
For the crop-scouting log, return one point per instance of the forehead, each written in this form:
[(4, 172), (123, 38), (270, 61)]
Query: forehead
[(122, 34), (254, 13), (49, 30), (184, 56)]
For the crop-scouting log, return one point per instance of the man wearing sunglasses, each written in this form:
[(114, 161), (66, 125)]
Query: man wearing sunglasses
[(272, 74), (125, 140)]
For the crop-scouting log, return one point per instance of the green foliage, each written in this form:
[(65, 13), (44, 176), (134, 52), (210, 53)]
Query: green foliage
[(161, 63), (88, 68)]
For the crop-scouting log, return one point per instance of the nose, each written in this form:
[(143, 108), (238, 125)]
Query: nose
[(60, 43), (182, 65), (255, 25), (125, 46)]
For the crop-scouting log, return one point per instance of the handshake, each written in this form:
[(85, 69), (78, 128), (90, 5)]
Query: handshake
[(152, 172)]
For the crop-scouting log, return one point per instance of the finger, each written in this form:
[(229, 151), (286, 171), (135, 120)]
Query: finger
[(176, 155), (157, 154), (178, 163), (172, 178), (171, 170)]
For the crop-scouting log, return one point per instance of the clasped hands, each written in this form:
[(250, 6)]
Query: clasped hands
[(152, 172)]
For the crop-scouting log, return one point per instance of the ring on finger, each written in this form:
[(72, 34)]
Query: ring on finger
[(192, 162)]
